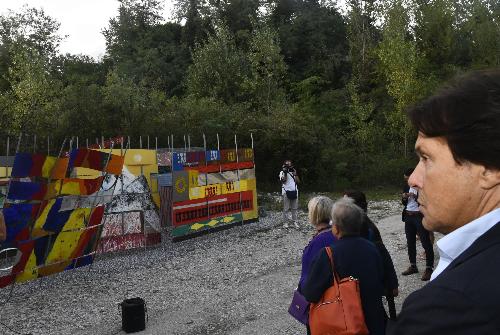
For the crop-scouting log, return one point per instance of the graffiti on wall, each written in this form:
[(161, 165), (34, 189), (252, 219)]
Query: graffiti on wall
[(50, 237), (212, 189)]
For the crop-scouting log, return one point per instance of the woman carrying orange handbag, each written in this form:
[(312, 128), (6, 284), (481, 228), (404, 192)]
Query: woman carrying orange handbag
[(357, 268)]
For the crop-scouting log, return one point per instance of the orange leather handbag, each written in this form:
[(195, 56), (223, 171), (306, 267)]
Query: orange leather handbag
[(339, 311)]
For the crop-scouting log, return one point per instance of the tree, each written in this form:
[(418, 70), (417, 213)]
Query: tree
[(313, 40), (238, 16), (484, 25), (31, 29), (219, 68), (130, 107), (143, 49), (34, 93), (434, 36), (267, 68), (198, 16), (363, 38), (126, 31), (397, 53)]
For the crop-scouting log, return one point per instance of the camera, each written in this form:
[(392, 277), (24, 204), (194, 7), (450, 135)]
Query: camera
[(287, 168)]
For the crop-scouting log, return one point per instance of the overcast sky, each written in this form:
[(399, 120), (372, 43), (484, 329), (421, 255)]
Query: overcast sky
[(81, 20)]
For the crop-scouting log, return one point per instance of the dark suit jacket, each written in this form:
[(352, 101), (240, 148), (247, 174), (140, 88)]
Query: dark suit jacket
[(463, 299)]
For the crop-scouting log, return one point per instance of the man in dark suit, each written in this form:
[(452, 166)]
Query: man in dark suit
[(458, 180)]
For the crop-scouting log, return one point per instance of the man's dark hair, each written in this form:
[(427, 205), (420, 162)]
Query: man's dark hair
[(358, 197), (467, 114), (409, 171)]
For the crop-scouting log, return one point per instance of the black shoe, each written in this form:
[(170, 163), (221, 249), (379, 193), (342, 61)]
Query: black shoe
[(411, 270), (427, 274)]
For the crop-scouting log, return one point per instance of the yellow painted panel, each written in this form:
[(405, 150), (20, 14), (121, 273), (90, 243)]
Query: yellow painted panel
[(139, 157), (5, 172), (248, 185), (48, 165), (71, 188), (197, 192), (40, 221), (53, 189), (84, 173), (134, 169), (237, 186), (68, 239), (193, 178), (201, 192), (156, 199), (30, 270), (229, 187), (147, 170)]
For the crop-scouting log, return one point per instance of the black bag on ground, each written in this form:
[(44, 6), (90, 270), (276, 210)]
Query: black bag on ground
[(133, 315)]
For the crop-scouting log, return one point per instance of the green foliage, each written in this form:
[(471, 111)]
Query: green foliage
[(397, 54), (267, 69), (33, 94), (313, 40), (484, 25), (219, 69)]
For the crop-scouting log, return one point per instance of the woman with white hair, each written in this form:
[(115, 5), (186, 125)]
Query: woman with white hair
[(319, 209)]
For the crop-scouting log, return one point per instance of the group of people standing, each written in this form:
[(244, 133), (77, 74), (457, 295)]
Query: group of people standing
[(358, 251), (454, 190)]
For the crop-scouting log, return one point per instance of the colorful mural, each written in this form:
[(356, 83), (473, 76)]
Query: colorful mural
[(136, 191), (212, 189), (131, 219), (139, 162), (51, 236)]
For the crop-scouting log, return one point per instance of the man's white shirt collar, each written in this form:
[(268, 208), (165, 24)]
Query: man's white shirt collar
[(456, 242)]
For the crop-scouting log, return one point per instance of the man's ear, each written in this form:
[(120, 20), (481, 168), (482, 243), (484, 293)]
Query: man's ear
[(489, 178)]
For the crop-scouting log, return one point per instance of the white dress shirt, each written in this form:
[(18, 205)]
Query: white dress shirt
[(412, 204), (456, 242)]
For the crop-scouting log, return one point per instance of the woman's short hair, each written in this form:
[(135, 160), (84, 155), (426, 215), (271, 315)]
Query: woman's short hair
[(466, 114), (347, 216), (319, 208)]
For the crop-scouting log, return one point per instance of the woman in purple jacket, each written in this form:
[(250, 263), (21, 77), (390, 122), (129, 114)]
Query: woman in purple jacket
[(320, 208)]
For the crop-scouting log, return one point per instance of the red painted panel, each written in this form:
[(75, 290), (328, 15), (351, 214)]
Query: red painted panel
[(218, 206)]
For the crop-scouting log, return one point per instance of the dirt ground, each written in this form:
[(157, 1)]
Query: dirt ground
[(238, 281)]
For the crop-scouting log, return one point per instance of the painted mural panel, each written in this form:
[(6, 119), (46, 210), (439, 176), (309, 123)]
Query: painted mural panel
[(53, 238), (132, 219), (212, 189)]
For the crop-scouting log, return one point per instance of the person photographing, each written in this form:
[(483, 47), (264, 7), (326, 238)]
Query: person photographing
[(289, 191)]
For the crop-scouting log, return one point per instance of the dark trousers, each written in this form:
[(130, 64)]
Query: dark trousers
[(413, 226)]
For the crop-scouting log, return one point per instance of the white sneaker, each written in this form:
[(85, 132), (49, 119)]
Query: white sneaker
[(296, 224), (285, 225)]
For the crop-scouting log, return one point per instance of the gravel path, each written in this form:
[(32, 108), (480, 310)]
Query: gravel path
[(238, 281)]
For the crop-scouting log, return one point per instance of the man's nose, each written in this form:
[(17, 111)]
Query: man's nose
[(416, 178)]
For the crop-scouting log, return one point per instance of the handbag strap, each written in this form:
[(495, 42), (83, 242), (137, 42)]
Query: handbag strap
[(329, 252), (293, 178)]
